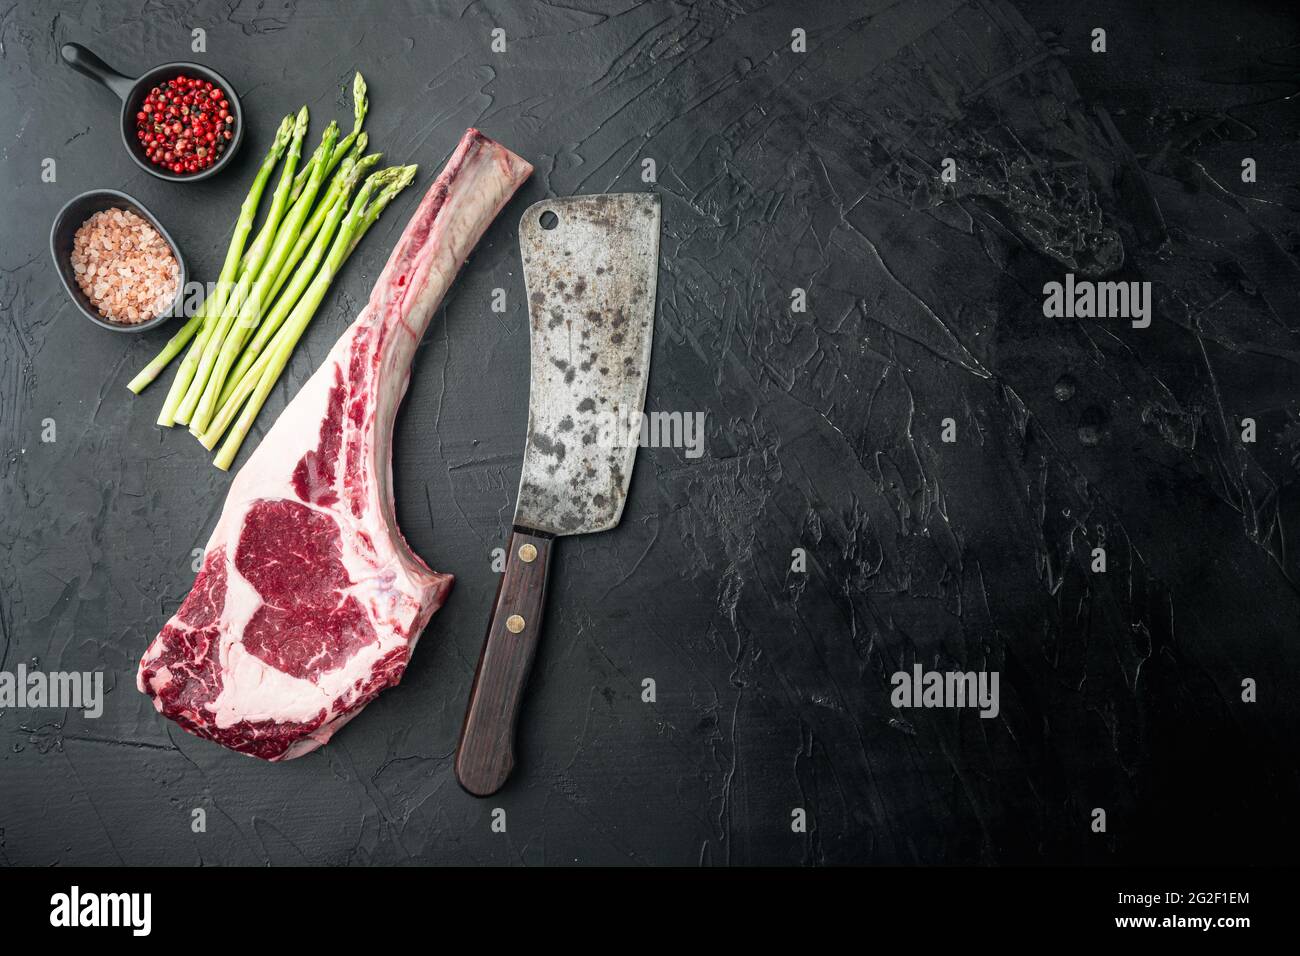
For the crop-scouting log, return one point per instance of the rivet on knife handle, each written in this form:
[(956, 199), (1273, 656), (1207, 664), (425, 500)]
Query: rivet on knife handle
[(486, 754)]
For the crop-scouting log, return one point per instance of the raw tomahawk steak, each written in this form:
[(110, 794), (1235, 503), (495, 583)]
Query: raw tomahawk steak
[(310, 602)]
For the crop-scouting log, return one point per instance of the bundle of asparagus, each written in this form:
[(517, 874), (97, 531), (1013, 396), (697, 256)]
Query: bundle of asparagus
[(242, 336)]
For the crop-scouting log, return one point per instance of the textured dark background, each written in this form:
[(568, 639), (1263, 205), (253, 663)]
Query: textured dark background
[(777, 171)]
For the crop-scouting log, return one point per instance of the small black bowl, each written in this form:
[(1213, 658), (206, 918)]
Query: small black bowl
[(132, 94), (64, 230)]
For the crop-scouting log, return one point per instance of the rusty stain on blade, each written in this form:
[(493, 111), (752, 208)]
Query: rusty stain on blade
[(591, 264)]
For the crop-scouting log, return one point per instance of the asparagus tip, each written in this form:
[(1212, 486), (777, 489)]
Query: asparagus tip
[(281, 138), (381, 178)]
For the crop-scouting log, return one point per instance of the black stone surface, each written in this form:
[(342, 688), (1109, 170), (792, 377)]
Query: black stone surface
[(777, 170)]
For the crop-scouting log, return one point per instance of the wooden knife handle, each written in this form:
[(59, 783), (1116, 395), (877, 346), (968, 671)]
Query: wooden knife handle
[(486, 754)]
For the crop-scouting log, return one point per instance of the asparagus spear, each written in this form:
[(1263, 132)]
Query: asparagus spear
[(169, 351), (348, 175), (221, 321), (259, 297), (360, 104), (360, 218), (240, 384), (358, 148), (243, 226), (318, 231), (354, 168), (269, 229), (243, 385)]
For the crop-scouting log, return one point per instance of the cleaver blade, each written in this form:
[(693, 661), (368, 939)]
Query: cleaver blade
[(590, 280), (591, 264)]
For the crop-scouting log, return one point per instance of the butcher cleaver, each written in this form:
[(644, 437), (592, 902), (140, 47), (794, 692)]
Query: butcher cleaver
[(590, 269)]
